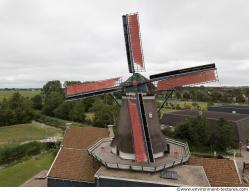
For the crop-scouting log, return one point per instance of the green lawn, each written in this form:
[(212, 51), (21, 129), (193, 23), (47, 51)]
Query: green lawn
[(17, 174), (16, 134), (203, 105), (28, 93)]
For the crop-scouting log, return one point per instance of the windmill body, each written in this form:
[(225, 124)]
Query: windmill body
[(139, 136), (140, 144)]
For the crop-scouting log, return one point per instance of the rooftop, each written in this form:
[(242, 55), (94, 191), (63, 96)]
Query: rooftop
[(82, 138), (210, 114), (187, 175), (73, 161), (232, 106), (220, 172)]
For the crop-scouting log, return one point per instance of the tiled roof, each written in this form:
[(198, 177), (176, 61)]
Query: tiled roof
[(73, 161), (82, 138), (220, 172)]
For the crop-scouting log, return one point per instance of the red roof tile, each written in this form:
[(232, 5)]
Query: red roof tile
[(73, 161), (220, 172), (82, 138)]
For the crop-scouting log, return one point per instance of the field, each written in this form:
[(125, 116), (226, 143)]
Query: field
[(28, 93), (203, 105), (16, 134), (17, 174)]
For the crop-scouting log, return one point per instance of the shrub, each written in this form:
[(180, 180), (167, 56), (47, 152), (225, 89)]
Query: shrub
[(10, 154)]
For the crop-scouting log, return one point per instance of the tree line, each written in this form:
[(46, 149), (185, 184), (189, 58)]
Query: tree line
[(214, 94), (51, 102)]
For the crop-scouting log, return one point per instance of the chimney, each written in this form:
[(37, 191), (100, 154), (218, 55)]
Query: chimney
[(110, 130)]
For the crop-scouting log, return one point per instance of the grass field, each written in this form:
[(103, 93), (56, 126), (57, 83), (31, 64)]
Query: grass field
[(17, 174), (16, 134), (182, 104), (7, 94), (203, 105)]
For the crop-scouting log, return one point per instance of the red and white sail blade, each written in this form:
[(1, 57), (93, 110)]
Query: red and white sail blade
[(187, 80), (133, 43), (185, 77), (92, 88)]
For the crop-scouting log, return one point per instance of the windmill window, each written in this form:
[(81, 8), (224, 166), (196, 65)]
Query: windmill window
[(150, 115)]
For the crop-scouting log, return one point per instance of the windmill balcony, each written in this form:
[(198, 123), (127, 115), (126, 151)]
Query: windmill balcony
[(102, 151)]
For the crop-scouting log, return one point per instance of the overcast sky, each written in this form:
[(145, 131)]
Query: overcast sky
[(83, 39)]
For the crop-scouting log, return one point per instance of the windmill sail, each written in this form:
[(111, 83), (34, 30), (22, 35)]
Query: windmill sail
[(133, 43), (92, 88), (137, 132), (185, 77)]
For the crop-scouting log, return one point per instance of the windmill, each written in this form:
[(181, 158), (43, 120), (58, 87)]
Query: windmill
[(139, 135)]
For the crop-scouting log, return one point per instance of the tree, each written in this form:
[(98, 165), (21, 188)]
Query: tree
[(52, 86), (216, 96), (200, 96), (221, 137), (178, 95), (52, 101), (194, 131), (246, 90), (88, 102), (104, 114), (186, 95), (193, 94), (66, 83), (78, 112), (21, 107), (73, 111), (184, 132), (53, 96), (63, 110), (37, 102), (17, 109), (240, 99)]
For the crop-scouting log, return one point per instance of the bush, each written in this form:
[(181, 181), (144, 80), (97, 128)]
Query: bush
[(72, 111), (50, 121), (10, 154)]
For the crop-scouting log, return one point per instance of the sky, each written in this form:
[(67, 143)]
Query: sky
[(42, 40)]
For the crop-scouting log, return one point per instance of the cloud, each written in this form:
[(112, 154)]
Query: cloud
[(83, 40)]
